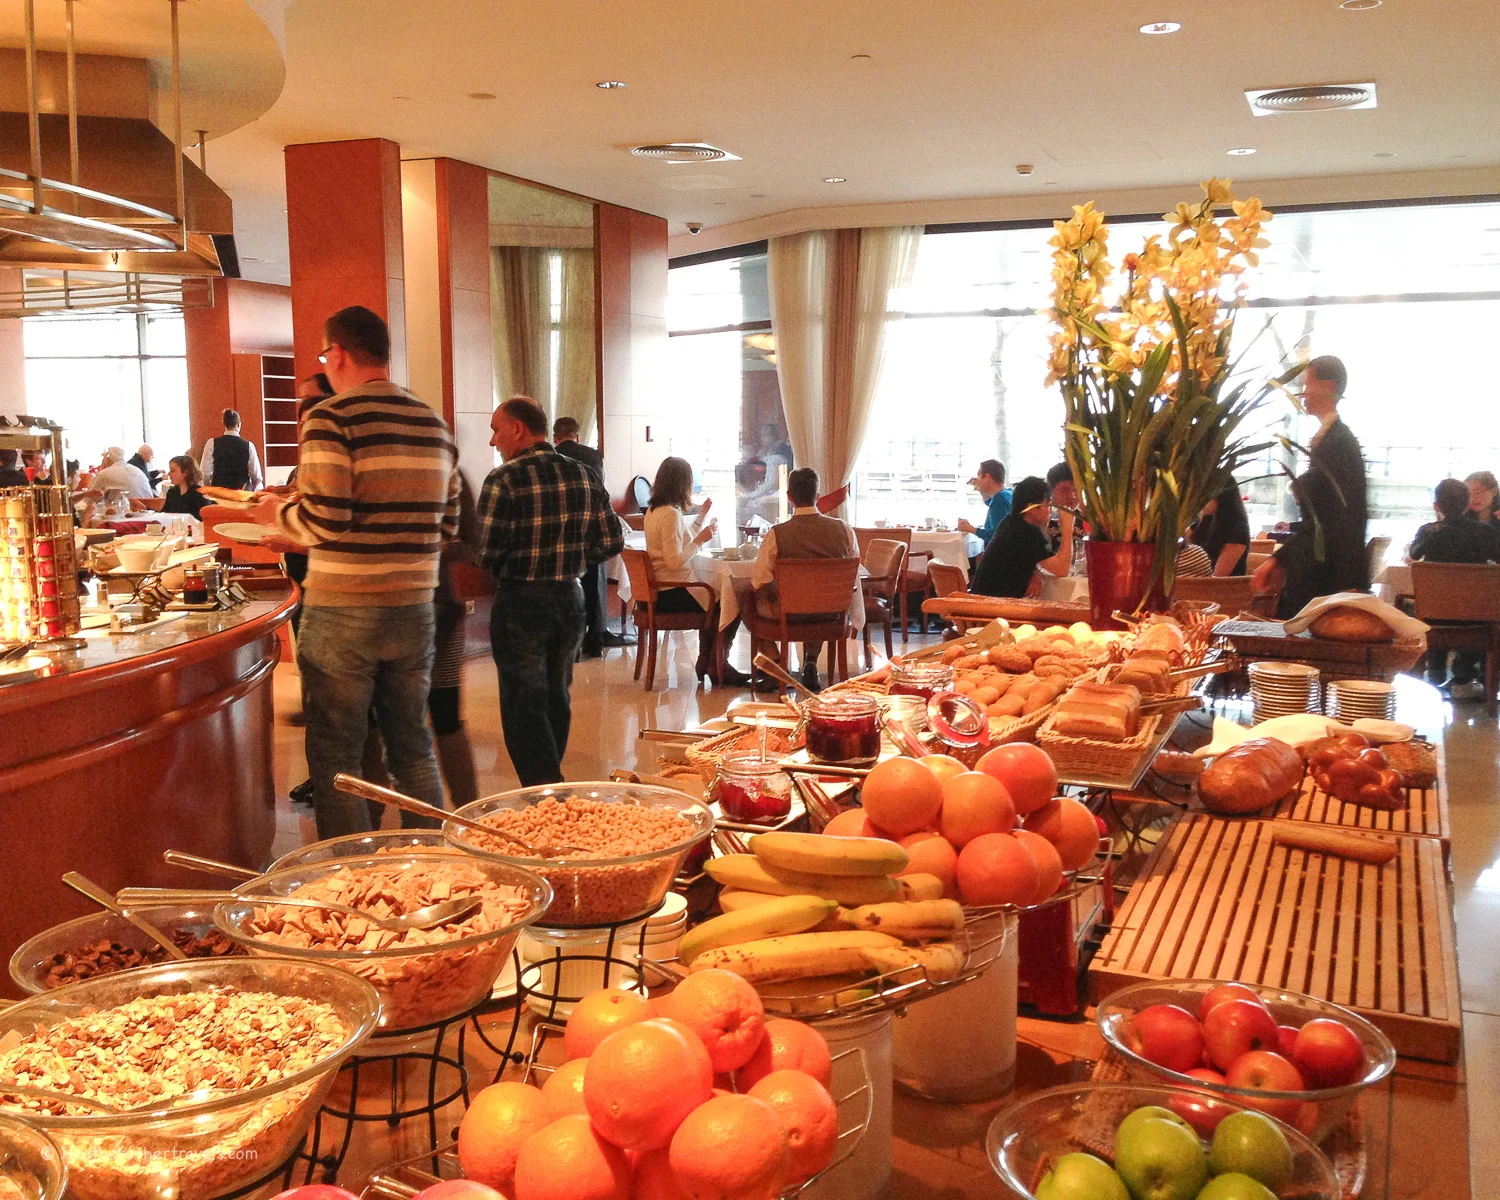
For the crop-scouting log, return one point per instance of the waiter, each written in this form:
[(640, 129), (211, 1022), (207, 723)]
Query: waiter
[(1335, 454), (229, 460)]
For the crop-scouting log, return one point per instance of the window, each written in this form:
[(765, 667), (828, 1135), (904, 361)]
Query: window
[(110, 381)]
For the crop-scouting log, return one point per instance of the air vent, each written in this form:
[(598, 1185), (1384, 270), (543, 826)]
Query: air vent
[(1318, 97), (683, 152)]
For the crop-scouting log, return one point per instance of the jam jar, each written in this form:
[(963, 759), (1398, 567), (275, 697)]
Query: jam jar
[(751, 789), (843, 730), (920, 679)]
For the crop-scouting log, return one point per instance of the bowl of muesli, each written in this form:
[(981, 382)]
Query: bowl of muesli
[(424, 976), (189, 1079), (31, 1165), (631, 840)]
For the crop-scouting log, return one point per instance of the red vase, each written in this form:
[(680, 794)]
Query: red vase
[(1119, 575)]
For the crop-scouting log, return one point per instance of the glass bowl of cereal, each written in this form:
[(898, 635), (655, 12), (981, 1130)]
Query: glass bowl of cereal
[(102, 943), (631, 840), (31, 1165), (190, 1079), (361, 845), (424, 976)]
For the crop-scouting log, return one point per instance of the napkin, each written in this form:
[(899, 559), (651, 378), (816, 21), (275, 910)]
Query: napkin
[(1407, 629), (1295, 730)]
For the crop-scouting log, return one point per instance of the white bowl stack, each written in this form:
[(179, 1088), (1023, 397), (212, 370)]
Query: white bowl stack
[(1280, 689), (1351, 699)]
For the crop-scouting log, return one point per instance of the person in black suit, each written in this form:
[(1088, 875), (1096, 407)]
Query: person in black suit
[(595, 636), (1335, 454)]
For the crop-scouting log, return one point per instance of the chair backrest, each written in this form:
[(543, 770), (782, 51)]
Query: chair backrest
[(946, 580), (865, 534), (1231, 592), (826, 504), (1375, 553), (636, 521), (1456, 591), (884, 559), (641, 574), (805, 586), (637, 495)]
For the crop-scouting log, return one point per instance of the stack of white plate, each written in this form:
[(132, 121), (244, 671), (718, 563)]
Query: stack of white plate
[(1351, 699), (1280, 689)]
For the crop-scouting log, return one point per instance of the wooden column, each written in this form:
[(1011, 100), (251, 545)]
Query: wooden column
[(344, 232), (463, 226), (210, 366)]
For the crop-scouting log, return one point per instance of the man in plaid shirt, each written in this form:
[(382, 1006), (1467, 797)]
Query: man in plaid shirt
[(545, 520)]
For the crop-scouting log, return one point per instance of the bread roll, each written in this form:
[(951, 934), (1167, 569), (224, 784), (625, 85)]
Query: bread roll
[(1148, 675), (1343, 623), (1107, 711), (1160, 635), (1251, 776), (1414, 762)]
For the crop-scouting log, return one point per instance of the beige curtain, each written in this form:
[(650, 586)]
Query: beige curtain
[(520, 315), (829, 294), (577, 384)]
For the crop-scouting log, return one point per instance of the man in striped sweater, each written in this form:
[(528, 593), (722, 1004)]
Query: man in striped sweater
[(377, 496)]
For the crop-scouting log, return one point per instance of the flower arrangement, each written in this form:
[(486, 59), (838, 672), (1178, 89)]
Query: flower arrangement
[(1151, 434)]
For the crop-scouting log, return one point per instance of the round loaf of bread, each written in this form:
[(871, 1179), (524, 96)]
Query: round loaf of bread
[(1344, 623)]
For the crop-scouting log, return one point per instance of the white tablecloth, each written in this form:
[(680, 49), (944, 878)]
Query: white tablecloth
[(1068, 589), (1393, 581), (947, 546)]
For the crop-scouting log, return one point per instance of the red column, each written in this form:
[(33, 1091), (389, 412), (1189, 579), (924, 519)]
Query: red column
[(210, 366), (344, 231)]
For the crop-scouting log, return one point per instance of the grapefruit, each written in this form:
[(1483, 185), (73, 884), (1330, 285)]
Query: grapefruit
[(975, 804), (1025, 770), (808, 1116), (567, 1160), (499, 1120), (724, 1011), (901, 796), (1049, 868), (996, 869), (642, 1081), (788, 1046), (1069, 826), (731, 1148), (598, 1015), (930, 853)]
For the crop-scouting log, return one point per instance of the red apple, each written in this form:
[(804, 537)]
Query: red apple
[(1328, 1053), (460, 1189), (1201, 1112), (1286, 1038), (1225, 991), (316, 1191), (1236, 1027), (1266, 1071), (1169, 1036)]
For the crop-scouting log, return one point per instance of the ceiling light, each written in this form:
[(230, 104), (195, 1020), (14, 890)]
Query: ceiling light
[(834, 179), (861, 59), (683, 152), (1157, 28), (1315, 97), (1359, 5), (481, 95), (609, 85), (1241, 150)]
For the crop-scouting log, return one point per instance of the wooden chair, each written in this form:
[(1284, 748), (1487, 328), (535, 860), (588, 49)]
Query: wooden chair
[(649, 622), (885, 565), (813, 597), (1233, 593), (636, 521), (1461, 604), (946, 580), (914, 577)]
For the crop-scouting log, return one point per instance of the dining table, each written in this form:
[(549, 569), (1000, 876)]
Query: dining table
[(950, 546)]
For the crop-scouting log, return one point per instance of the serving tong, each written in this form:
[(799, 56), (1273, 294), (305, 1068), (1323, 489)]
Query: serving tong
[(428, 916)]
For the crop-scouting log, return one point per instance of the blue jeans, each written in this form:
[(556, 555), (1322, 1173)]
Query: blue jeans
[(535, 632), (352, 659)]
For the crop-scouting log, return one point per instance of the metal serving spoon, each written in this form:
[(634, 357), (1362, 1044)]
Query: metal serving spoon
[(87, 887), (212, 866), (427, 917)]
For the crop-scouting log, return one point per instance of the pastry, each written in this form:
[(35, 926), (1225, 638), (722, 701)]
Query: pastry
[(1414, 762), (1251, 776)]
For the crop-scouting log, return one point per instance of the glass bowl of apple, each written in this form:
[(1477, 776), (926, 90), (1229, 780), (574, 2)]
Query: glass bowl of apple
[(1116, 1141), (1300, 1059)]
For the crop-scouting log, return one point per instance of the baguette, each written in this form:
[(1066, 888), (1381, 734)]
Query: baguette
[(1324, 839)]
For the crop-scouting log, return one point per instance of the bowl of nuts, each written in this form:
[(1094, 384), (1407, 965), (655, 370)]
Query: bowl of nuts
[(31, 1165), (628, 841), (102, 943), (424, 976), (189, 1079)]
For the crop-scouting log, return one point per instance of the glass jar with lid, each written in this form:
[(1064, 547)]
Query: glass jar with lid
[(751, 789), (843, 729), (920, 679), (959, 727)]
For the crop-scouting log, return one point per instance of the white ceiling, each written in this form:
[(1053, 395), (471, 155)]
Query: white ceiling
[(952, 97)]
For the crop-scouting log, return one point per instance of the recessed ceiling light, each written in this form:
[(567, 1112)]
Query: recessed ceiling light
[(757, 195), (481, 95), (609, 85), (1050, 183), (1359, 5), (721, 203), (834, 179), (1241, 150), (1157, 28), (1384, 154), (859, 58)]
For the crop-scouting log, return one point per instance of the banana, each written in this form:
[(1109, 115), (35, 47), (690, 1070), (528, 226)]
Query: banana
[(737, 899), (814, 995), (795, 956), (941, 961), (746, 872), (912, 920), (785, 914), (819, 854), (918, 886)]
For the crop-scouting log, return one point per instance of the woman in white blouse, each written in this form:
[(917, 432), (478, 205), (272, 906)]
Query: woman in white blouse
[(672, 541)]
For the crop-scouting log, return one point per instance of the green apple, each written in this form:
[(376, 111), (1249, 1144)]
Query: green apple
[(1081, 1177), (1160, 1159), (1250, 1143), (1147, 1113), (1236, 1186)]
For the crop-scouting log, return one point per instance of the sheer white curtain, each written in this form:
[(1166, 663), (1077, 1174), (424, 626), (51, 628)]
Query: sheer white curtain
[(829, 293), (520, 310), (577, 384)]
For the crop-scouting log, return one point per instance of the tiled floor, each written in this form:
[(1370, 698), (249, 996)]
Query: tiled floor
[(1416, 1142)]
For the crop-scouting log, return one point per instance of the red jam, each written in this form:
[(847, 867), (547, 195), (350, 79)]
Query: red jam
[(843, 730), (751, 790), (920, 679)]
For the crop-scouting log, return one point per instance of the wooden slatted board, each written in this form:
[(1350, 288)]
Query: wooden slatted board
[(1217, 900), (1425, 814)]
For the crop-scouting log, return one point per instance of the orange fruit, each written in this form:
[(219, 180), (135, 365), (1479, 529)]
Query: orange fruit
[(1069, 826), (1026, 771), (598, 1015), (975, 804), (1049, 866), (930, 853), (655, 1180), (852, 822), (901, 796), (724, 1011), (788, 1046), (499, 1120), (732, 1148), (642, 1081), (996, 869), (944, 766), (563, 1090), (809, 1117), (567, 1160)]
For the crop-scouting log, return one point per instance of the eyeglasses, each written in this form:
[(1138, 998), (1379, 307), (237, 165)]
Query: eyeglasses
[(323, 353)]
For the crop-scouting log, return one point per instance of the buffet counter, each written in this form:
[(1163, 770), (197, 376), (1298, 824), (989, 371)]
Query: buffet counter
[(134, 744)]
